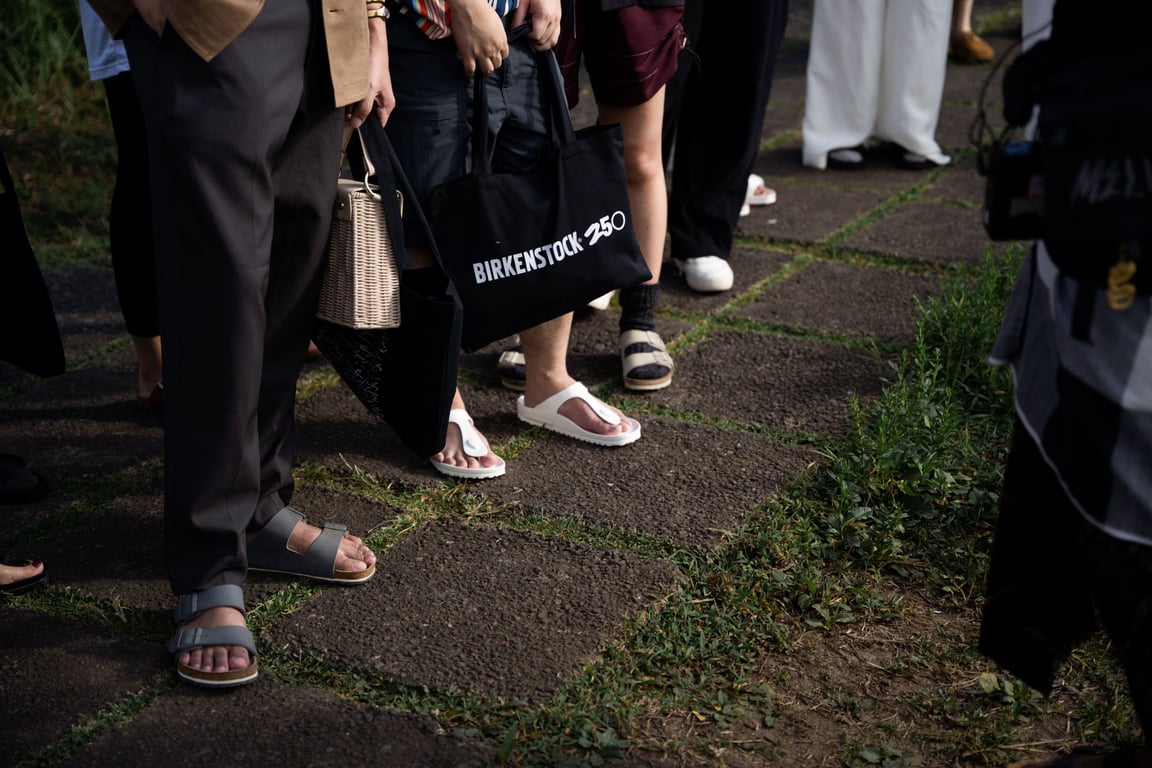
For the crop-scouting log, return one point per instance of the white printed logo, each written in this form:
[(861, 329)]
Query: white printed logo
[(546, 255)]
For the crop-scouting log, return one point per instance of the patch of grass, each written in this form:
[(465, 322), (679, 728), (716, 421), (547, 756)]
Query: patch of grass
[(56, 135)]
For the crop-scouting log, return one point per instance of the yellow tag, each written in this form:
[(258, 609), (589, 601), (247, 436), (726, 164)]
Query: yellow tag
[(1121, 292)]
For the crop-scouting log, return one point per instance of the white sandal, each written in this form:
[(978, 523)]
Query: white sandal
[(767, 197), (548, 415), (474, 445)]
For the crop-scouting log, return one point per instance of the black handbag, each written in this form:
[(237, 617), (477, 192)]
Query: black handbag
[(404, 375), (32, 336), (526, 247)]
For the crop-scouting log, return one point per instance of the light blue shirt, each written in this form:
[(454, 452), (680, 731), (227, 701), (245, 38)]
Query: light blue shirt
[(106, 57)]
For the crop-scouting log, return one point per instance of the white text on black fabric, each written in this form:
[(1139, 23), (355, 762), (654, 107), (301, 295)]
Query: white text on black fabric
[(548, 254)]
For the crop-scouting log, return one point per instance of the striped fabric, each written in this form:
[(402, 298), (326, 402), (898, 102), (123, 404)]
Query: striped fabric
[(435, 20), (1083, 376)]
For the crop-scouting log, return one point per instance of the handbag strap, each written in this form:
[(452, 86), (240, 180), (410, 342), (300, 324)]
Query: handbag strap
[(557, 104), (408, 213), (369, 169)]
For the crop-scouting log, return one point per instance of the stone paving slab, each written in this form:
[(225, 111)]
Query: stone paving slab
[(490, 610), (87, 308), (81, 425), (927, 232), (687, 483), (778, 383), (963, 185), (749, 266), (847, 299), (808, 212), (55, 672), (278, 724)]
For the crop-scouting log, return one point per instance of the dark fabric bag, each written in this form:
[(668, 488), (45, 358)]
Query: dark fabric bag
[(1085, 186), (524, 248), (404, 375), (31, 339), (1096, 130), (1037, 605)]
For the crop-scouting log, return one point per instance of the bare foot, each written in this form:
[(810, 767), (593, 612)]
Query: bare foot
[(579, 411), (353, 557), (455, 455), (10, 574), (216, 658)]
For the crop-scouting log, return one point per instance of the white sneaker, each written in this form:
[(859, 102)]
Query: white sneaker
[(706, 274), (602, 302)]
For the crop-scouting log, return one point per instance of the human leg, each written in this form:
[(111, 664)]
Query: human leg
[(466, 452), (647, 195), (130, 236), (843, 78), (225, 435), (545, 352), (430, 136), (204, 548), (912, 78), (630, 55), (1052, 574), (967, 47), (646, 364), (1121, 585), (149, 373), (718, 138), (1037, 605)]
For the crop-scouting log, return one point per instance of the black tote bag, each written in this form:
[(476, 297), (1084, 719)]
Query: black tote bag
[(32, 336), (405, 375), (523, 248)]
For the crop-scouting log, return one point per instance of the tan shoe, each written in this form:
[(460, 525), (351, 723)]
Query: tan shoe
[(968, 48)]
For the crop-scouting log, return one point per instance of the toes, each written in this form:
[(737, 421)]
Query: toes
[(357, 555), (582, 414), (218, 658), (238, 658)]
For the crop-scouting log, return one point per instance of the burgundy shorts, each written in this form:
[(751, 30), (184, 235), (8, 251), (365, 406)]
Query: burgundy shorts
[(629, 53)]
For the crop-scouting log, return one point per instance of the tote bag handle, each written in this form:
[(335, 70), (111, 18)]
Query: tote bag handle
[(561, 117)]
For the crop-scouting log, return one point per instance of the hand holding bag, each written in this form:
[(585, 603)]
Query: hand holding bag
[(404, 375), (523, 248), (361, 287)]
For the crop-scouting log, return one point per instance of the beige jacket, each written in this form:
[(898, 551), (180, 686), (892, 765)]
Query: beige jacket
[(208, 26)]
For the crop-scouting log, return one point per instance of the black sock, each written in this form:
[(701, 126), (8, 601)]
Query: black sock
[(638, 307)]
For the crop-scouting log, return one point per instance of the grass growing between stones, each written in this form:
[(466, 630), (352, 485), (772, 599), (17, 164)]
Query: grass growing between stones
[(902, 509), (878, 555)]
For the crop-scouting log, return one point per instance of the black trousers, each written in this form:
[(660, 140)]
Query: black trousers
[(245, 152), (1053, 575), (130, 219), (711, 138)]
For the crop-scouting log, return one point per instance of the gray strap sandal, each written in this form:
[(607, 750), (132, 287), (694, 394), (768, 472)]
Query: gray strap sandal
[(192, 605), (269, 552)]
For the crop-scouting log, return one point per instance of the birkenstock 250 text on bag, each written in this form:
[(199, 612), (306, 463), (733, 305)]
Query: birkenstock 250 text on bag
[(523, 248)]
